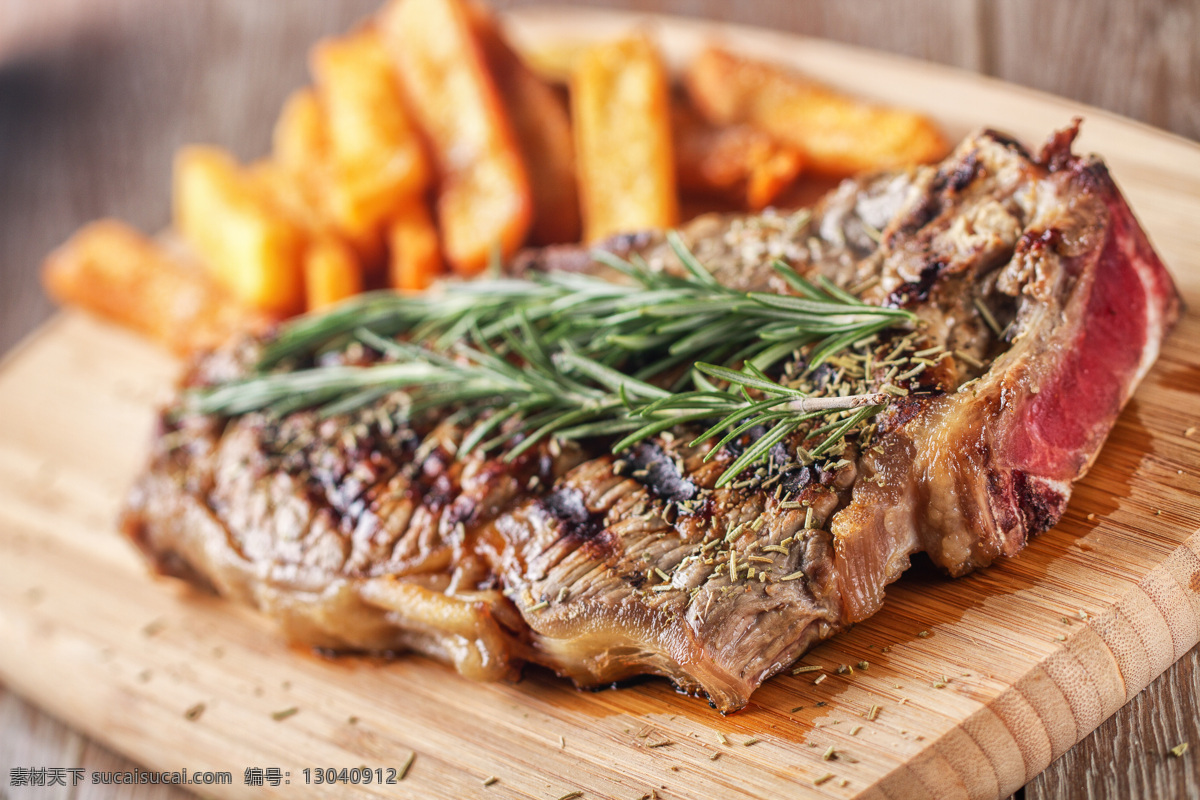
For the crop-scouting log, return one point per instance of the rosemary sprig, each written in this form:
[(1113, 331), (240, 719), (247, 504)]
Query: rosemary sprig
[(783, 408), (577, 356), (650, 316)]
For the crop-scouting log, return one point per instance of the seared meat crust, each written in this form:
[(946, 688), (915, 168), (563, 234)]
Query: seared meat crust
[(1043, 305)]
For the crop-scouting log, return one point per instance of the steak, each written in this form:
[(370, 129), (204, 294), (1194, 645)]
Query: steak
[(1043, 305)]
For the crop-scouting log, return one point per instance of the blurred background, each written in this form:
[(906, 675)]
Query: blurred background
[(96, 95)]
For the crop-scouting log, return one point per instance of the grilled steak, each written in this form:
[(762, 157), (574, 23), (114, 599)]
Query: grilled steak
[(1043, 306)]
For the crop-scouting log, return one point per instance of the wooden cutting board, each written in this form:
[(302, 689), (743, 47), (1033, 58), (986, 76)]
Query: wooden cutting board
[(979, 683)]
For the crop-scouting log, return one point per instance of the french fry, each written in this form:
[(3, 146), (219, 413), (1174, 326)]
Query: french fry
[(414, 255), (331, 272), (378, 161), (543, 130), (621, 105), (483, 200), (838, 135), (737, 162), (297, 176), (295, 195), (300, 140), (303, 198), (553, 61), (252, 248), (114, 271)]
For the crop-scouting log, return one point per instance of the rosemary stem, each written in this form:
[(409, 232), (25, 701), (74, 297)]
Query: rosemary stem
[(805, 405)]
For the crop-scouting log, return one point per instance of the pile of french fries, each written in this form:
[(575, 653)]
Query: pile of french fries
[(427, 145)]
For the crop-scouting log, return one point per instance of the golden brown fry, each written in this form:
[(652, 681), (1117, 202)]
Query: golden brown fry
[(553, 61), (297, 175), (251, 247), (114, 271), (483, 199), (331, 272), (543, 129), (737, 162), (378, 161), (303, 198), (300, 141), (414, 255), (291, 194), (621, 104), (838, 135)]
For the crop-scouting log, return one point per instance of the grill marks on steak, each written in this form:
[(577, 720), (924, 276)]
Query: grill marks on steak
[(367, 534), (652, 592), (353, 533)]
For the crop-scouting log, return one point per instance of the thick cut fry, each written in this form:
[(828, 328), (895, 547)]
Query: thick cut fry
[(838, 135), (737, 162), (483, 201), (622, 116), (300, 141), (555, 60), (114, 271), (414, 255), (252, 248), (297, 176), (292, 194), (331, 272), (378, 161), (304, 200), (543, 129)]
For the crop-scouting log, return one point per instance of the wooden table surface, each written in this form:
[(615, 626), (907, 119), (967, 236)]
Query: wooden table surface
[(95, 96)]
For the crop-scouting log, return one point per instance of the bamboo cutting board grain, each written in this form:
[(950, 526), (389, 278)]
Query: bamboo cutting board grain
[(977, 683)]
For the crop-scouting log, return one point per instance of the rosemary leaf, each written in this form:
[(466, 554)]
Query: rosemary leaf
[(749, 381), (576, 356)]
